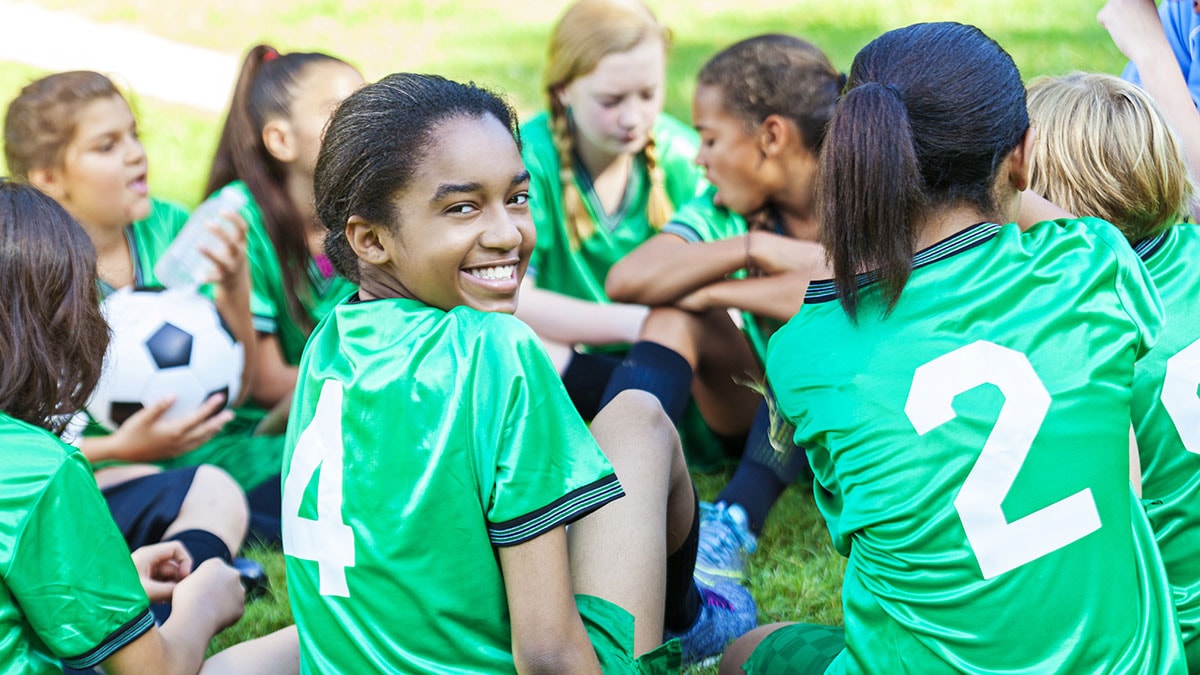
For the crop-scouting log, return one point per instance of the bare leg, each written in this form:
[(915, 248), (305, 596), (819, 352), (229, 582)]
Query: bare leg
[(215, 503), (619, 552), (718, 353), (739, 652), (277, 653)]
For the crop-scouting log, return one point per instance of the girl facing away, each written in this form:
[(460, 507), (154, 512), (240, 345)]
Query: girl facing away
[(450, 457), (977, 474), (607, 169), (73, 136), (1104, 148), (761, 107), (56, 532)]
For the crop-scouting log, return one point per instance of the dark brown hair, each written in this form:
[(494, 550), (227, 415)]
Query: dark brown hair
[(265, 90), (375, 144), (41, 120), (777, 75), (930, 113), (52, 334)]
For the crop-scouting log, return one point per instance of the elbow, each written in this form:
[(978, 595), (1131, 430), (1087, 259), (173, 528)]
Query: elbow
[(556, 658)]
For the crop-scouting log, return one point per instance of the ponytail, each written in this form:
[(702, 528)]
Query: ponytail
[(658, 205), (576, 220), (870, 190), (264, 91)]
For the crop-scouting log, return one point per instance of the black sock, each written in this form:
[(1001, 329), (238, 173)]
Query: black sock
[(585, 379), (763, 474), (659, 370), (202, 545), (683, 598), (266, 503)]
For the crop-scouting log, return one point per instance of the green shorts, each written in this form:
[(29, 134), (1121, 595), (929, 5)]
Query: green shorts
[(249, 459), (610, 628), (798, 649)]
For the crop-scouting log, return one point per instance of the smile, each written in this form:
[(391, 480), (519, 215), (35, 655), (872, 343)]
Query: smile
[(494, 273)]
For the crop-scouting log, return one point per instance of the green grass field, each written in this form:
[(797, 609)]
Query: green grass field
[(796, 575)]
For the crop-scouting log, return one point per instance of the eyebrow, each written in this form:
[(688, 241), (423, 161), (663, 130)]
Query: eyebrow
[(446, 189)]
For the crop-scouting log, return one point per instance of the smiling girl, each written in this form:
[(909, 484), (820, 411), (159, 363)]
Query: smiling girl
[(450, 458)]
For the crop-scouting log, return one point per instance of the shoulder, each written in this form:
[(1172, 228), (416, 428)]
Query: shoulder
[(702, 220), (676, 135), (164, 215), (32, 457)]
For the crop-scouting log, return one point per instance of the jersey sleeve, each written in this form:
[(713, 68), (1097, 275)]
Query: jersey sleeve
[(700, 220), (72, 574), (545, 468), (1134, 286)]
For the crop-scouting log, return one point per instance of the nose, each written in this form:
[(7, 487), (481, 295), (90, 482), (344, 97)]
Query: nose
[(503, 232), (134, 151), (701, 158)]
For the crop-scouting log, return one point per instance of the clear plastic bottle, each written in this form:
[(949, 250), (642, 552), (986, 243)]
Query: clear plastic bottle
[(182, 264)]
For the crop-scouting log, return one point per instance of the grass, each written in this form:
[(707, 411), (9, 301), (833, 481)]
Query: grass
[(796, 575)]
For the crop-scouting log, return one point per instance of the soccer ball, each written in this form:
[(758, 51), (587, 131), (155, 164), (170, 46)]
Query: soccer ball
[(164, 342)]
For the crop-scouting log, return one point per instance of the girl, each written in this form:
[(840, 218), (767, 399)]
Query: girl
[(267, 150), (1105, 148), (607, 168), (73, 136), (448, 451), (977, 471), (69, 588), (761, 107)]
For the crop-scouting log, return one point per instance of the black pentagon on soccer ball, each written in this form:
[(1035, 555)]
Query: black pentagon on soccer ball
[(170, 346), (224, 391), (119, 411)]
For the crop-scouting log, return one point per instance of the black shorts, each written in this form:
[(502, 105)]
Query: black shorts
[(145, 507)]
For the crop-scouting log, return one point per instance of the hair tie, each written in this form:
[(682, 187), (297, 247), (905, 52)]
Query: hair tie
[(270, 55)]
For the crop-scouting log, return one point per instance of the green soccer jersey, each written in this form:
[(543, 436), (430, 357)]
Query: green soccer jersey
[(268, 301), (419, 442), (580, 271), (148, 239), (1166, 417), (702, 221), (971, 456), (68, 588)]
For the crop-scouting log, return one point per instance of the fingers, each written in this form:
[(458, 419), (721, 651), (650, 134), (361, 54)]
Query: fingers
[(158, 591)]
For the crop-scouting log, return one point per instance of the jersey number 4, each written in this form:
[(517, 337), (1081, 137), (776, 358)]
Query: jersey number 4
[(326, 540), (1180, 396), (999, 545)]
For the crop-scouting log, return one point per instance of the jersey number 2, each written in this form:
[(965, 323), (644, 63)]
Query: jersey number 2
[(327, 540), (999, 545), (1180, 397)]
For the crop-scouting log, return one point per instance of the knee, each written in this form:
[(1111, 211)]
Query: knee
[(634, 408), (671, 326), (218, 490)]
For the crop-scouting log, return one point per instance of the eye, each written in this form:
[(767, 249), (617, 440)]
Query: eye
[(520, 198), (609, 102), (648, 94), (462, 208)]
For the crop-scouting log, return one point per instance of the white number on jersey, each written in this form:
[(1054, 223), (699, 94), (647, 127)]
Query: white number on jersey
[(999, 546), (1180, 396), (327, 540)]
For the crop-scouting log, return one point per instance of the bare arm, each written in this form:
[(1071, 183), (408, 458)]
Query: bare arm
[(777, 297), (273, 378), (204, 603), (547, 632), (277, 653), (561, 318), (232, 298), (1137, 31), (666, 268)]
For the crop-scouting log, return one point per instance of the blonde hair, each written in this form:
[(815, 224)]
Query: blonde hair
[(587, 32), (1103, 148)]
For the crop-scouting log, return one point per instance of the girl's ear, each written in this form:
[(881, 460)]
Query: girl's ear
[(364, 239), (1019, 161), (560, 93), (774, 135), (280, 140), (48, 181)]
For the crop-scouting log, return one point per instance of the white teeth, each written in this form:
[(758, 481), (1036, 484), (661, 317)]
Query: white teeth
[(493, 273)]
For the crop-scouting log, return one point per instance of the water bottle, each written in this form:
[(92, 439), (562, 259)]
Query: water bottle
[(182, 264)]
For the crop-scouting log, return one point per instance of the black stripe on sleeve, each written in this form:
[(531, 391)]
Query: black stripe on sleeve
[(562, 511), (113, 643)]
